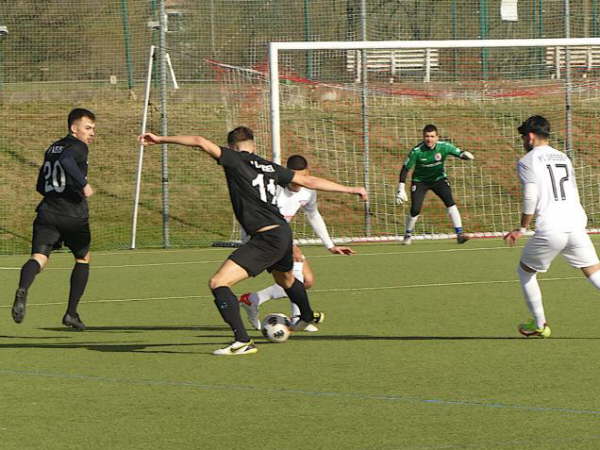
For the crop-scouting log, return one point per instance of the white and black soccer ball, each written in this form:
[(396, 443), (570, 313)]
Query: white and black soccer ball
[(276, 327)]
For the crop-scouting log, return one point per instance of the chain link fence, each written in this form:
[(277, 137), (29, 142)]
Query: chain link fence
[(57, 55)]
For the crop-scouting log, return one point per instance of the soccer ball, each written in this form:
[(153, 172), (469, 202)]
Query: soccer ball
[(276, 327)]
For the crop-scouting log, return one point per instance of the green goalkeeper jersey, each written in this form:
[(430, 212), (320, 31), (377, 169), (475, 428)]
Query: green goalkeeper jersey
[(429, 163)]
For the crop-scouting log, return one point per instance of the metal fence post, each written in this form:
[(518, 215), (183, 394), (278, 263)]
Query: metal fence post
[(483, 34), (365, 114), (127, 42), (568, 85), (308, 37), (164, 129)]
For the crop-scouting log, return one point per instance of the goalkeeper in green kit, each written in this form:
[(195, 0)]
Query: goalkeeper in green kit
[(427, 159)]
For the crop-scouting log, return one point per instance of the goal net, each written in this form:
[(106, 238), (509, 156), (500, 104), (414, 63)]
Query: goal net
[(355, 109)]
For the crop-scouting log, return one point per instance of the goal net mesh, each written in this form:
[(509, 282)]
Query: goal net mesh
[(322, 118)]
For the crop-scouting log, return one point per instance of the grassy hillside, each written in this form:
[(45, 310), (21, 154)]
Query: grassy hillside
[(328, 132)]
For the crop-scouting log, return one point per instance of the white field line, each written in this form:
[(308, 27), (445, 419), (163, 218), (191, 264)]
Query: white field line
[(116, 266), (318, 291)]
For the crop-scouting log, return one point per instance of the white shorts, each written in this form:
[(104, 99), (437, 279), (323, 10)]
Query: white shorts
[(576, 247)]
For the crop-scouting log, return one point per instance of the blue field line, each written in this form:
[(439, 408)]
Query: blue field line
[(322, 394)]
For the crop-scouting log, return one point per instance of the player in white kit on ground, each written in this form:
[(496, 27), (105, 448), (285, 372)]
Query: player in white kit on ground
[(550, 194), (289, 201)]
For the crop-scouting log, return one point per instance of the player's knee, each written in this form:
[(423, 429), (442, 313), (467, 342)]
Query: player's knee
[(450, 204), (309, 281), (214, 283), (414, 212), (41, 259), (284, 279), (525, 268), (85, 259)]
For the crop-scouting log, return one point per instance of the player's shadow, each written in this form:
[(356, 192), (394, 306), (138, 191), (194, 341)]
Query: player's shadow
[(110, 348), (139, 328)]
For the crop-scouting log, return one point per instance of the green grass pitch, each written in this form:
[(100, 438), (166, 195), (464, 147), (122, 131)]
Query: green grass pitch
[(419, 350)]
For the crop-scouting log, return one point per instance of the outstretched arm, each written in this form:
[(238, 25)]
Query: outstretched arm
[(462, 154), (321, 184), (318, 225), (189, 141)]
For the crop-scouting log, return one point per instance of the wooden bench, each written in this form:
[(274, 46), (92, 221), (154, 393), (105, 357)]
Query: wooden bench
[(394, 61), (583, 58)]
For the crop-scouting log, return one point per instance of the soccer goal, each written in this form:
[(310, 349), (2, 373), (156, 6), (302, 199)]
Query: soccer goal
[(361, 106), (358, 118)]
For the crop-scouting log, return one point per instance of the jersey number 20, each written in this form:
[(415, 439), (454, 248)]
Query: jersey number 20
[(54, 177), (561, 182)]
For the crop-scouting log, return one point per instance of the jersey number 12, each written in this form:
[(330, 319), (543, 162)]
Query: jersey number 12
[(561, 182), (54, 177)]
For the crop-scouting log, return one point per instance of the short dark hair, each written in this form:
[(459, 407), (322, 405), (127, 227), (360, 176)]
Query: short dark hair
[(537, 125), (429, 128), (79, 113), (297, 162), (239, 134)]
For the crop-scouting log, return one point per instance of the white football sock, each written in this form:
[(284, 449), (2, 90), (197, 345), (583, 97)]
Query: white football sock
[(410, 223), (273, 291), (455, 216), (533, 295), (595, 279), (298, 267)]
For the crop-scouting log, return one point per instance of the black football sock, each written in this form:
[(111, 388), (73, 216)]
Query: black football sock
[(79, 279), (297, 294), (228, 307), (28, 272)]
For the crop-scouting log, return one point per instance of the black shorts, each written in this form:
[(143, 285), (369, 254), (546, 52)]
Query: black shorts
[(441, 188), (51, 229), (270, 250)]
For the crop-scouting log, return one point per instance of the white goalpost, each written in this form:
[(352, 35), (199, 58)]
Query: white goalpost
[(360, 133)]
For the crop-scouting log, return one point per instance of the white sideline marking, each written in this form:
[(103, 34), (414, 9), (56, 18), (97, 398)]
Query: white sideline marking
[(299, 392), (176, 263), (322, 291)]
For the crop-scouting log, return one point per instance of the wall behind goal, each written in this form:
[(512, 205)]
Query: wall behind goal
[(64, 54)]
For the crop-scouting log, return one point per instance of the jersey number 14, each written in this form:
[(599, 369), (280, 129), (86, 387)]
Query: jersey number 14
[(270, 188), (561, 182)]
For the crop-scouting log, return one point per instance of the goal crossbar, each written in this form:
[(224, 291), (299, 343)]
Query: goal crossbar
[(276, 47)]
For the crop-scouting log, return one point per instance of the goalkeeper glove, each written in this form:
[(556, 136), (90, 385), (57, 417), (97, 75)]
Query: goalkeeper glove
[(401, 196), (467, 155)]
